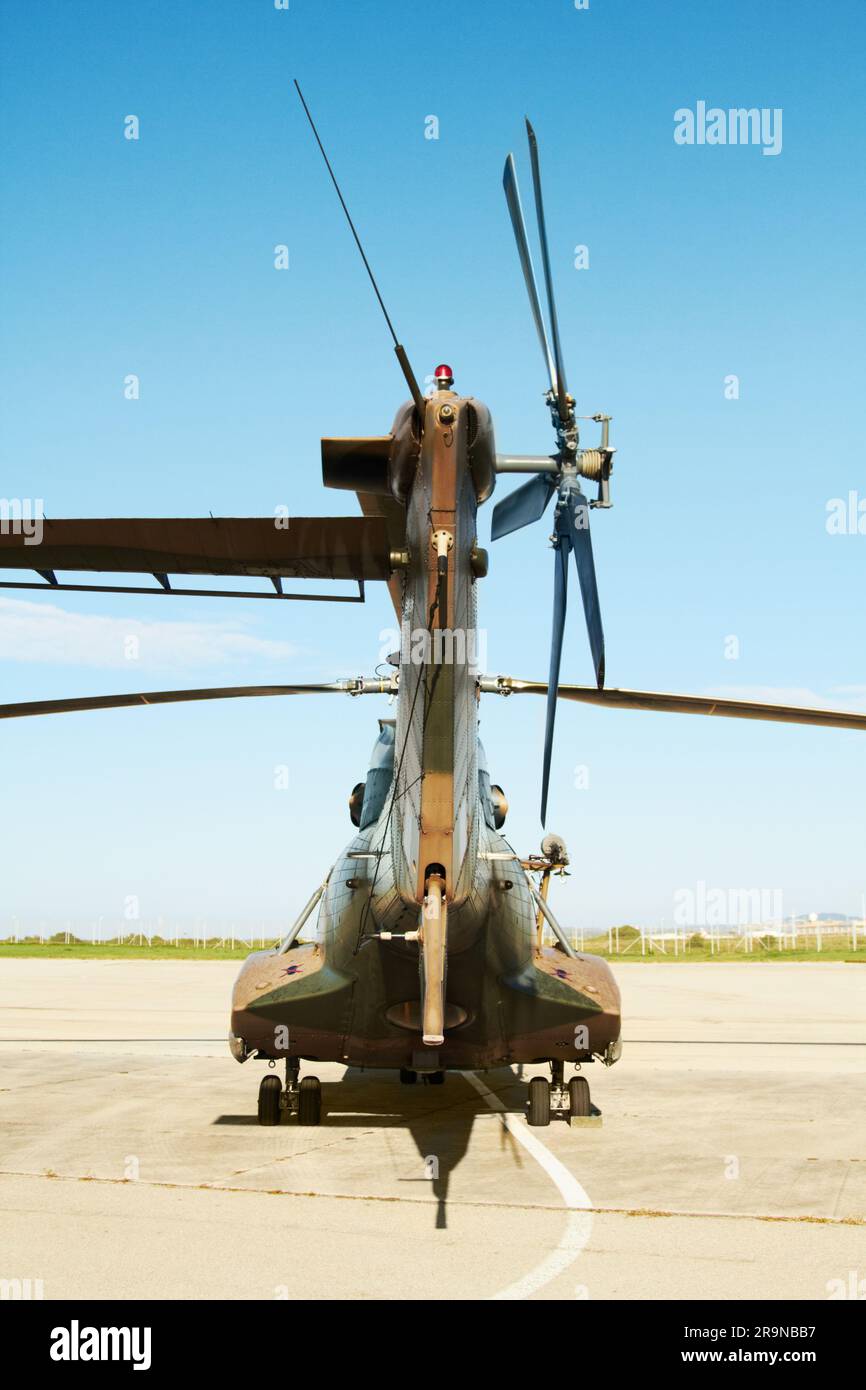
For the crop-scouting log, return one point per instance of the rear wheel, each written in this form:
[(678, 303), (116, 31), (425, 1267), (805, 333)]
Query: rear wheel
[(408, 1077), (310, 1101), (269, 1100), (578, 1098), (539, 1101), (436, 1078)]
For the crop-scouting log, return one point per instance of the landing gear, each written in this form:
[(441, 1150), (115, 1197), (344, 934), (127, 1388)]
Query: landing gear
[(410, 1077), (270, 1094), (303, 1099), (558, 1093), (310, 1101), (539, 1101), (554, 1097), (579, 1104)]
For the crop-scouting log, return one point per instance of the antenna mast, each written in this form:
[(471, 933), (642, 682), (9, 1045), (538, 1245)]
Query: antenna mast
[(399, 350)]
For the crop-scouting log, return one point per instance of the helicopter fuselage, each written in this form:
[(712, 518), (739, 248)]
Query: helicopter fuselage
[(428, 856), (354, 997)]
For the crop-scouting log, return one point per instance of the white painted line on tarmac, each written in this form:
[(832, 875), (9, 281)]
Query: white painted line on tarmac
[(578, 1221)]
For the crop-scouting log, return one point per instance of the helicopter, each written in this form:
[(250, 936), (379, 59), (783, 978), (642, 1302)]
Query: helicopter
[(429, 954)]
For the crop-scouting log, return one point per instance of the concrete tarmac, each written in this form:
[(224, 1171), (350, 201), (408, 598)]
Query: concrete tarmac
[(731, 1162)]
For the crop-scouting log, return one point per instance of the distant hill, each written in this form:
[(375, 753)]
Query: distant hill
[(805, 918)]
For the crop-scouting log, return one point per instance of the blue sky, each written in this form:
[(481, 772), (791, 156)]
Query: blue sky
[(155, 257)]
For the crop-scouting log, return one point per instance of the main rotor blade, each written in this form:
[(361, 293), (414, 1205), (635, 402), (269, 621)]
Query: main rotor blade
[(577, 519), (680, 704), (560, 603), (512, 197), (561, 387), (361, 686), (521, 507)]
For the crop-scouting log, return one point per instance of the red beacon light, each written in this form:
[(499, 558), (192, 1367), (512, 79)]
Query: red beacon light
[(444, 377)]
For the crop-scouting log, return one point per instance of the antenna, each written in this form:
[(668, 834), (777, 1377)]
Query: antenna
[(399, 350)]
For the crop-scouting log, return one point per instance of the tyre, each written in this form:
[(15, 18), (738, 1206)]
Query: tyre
[(408, 1077), (310, 1101), (539, 1101), (578, 1097), (269, 1100), (436, 1078)]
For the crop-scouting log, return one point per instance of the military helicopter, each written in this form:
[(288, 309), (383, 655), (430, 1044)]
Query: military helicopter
[(429, 954)]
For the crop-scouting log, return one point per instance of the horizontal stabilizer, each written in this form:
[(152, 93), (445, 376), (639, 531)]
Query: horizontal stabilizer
[(301, 547), (357, 465)]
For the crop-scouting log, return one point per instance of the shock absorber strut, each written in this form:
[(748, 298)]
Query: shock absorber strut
[(434, 931)]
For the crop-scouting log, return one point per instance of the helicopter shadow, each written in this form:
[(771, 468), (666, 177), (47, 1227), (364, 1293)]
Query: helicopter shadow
[(440, 1120)]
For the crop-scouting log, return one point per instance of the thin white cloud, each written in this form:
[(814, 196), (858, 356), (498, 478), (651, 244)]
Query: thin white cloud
[(46, 633)]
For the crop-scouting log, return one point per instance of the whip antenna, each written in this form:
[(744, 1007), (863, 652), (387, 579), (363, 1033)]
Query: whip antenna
[(399, 350)]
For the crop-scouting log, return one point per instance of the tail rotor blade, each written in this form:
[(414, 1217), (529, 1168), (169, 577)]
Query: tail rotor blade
[(560, 387), (560, 602), (523, 506), (578, 526), (512, 197)]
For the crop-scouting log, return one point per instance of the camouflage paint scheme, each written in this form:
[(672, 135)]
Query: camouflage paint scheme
[(334, 998)]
